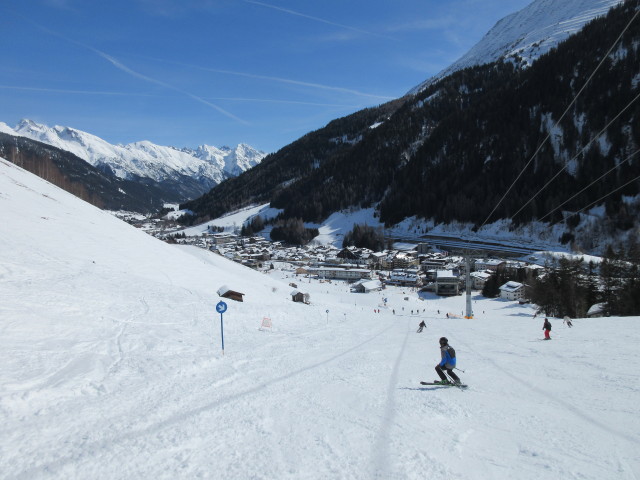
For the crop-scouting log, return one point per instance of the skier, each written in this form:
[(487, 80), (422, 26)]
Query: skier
[(567, 320), (447, 363), (421, 326), (547, 329)]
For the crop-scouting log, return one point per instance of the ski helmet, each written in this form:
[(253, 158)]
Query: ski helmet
[(444, 341)]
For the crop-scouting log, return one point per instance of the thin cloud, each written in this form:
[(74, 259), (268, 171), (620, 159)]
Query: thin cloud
[(279, 79), (293, 102), (298, 82), (423, 25), (75, 92), (135, 74), (60, 4), (316, 19), (116, 63)]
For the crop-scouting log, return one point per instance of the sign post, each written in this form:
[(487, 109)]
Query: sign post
[(221, 307)]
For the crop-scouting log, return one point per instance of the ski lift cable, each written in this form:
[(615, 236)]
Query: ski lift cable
[(584, 149), (575, 98), (592, 183), (597, 201)]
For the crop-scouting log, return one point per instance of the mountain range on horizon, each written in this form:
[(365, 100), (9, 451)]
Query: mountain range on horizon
[(191, 172)]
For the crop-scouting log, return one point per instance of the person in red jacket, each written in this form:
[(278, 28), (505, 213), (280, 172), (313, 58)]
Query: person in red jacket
[(547, 329)]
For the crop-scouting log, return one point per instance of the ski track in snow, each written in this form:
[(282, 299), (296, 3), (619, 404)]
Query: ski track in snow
[(89, 449), (380, 458), (539, 391)]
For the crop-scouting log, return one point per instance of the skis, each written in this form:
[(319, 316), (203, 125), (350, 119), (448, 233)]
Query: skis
[(436, 384)]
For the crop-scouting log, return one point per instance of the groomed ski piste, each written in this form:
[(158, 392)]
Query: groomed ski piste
[(111, 367)]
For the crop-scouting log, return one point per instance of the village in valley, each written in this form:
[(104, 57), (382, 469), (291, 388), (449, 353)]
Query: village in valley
[(419, 267)]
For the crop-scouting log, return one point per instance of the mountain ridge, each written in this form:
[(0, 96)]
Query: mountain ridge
[(206, 165), (524, 36)]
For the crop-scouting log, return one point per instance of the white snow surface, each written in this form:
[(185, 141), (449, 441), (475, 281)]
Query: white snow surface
[(111, 368), (526, 35), (144, 158)]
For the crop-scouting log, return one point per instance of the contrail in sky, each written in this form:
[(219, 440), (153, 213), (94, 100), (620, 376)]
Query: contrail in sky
[(276, 79), (135, 74), (296, 82), (77, 92), (317, 19), (132, 94), (275, 100)]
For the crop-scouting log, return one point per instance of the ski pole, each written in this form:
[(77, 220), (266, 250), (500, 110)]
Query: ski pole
[(459, 369)]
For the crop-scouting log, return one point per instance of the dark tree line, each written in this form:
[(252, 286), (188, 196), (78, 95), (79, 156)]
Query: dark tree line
[(364, 236), (491, 288), (294, 161), (293, 232), (254, 226), (571, 287)]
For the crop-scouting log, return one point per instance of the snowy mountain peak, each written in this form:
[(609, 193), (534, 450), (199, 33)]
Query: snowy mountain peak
[(527, 34), (208, 165)]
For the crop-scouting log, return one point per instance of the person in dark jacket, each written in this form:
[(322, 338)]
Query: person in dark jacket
[(447, 363), (547, 329)]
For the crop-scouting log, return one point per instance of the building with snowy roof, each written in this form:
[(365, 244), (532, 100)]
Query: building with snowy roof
[(512, 291), (446, 283), (298, 296), (489, 264), (366, 286), (479, 279), (341, 273), (405, 278), (226, 292)]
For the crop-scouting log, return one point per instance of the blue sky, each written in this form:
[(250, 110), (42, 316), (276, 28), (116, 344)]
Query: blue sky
[(221, 72)]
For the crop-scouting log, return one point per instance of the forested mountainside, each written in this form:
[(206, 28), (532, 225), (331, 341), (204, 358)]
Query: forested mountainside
[(78, 177), (452, 151), (294, 162), (494, 119)]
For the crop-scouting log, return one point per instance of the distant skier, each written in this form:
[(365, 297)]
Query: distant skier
[(547, 329), (421, 326), (567, 320), (447, 363)]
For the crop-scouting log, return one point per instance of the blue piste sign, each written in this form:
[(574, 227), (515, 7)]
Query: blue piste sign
[(221, 307)]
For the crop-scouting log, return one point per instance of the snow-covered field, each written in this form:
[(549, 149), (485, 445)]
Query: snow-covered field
[(111, 368)]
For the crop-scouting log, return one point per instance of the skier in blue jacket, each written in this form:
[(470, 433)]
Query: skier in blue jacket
[(447, 363)]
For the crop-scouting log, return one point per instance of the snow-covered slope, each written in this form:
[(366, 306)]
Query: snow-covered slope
[(529, 33), (209, 165), (111, 368)]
